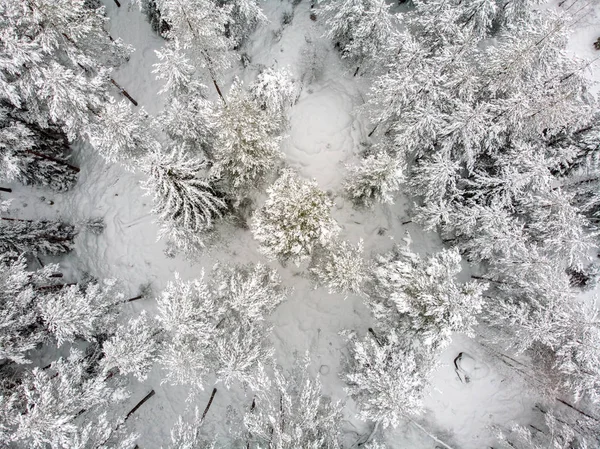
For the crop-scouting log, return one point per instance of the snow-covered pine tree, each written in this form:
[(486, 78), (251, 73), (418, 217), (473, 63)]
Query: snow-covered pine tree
[(64, 406), (557, 223), (341, 267), (363, 29), (175, 69), (251, 291), (274, 91), (245, 16), (133, 347), (32, 155), (434, 178), (386, 379), (186, 119), (247, 142), (188, 115), (76, 312), (186, 204), (376, 179), (537, 310), (56, 65), (20, 330), (250, 294), (123, 135), (35, 237), (199, 27), (486, 233), (188, 316), (294, 220), (556, 431), (157, 23), (577, 356), (422, 296), (218, 326), (293, 413), (186, 434)]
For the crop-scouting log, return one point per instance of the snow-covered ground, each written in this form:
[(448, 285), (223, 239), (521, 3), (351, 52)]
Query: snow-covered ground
[(325, 134)]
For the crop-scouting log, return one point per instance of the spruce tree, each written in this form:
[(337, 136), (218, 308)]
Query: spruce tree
[(421, 296), (64, 406), (20, 327), (292, 412), (33, 155), (386, 378), (185, 203), (294, 220), (363, 29), (36, 237), (376, 180), (58, 61), (199, 27), (218, 325), (247, 144), (76, 312)]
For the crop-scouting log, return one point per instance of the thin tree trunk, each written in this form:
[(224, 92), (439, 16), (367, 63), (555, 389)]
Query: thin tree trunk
[(356, 71), (53, 159), (219, 91), (212, 396), (53, 287), (252, 407), (117, 3), (56, 275), (585, 181), (373, 130), (124, 92), (481, 278), (16, 219), (372, 332), (139, 404), (5, 189), (407, 222), (134, 298), (281, 411), (577, 410)]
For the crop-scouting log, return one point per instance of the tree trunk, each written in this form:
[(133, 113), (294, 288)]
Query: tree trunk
[(124, 92), (281, 411), (139, 404), (135, 298), (252, 407), (372, 332), (577, 410), (5, 189), (16, 219), (53, 159), (212, 396), (356, 71), (117, 3), (219, 91), (55, 287), (481, 278), (373, 130)]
